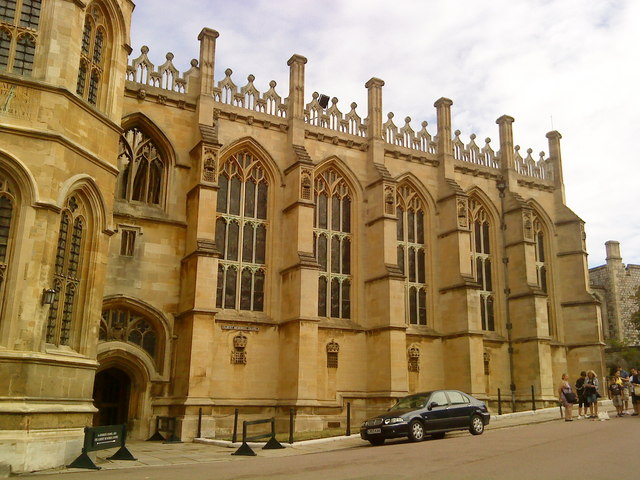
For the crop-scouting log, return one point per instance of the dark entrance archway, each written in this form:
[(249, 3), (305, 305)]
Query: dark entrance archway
[(111, 395)]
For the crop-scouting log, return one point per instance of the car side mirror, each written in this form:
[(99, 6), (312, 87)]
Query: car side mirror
[(431, 405)]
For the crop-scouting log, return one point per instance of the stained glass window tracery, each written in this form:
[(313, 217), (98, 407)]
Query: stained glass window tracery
[(332, 244), (411, 248), (241, 233)]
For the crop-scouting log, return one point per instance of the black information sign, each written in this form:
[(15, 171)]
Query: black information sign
[(101, 438)]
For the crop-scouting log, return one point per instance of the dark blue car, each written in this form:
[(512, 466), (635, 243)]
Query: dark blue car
[(427, 414)]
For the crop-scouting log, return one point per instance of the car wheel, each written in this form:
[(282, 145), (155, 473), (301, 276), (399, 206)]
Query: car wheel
[(416, 431), (438, 436), (376, 442), (477, 425)]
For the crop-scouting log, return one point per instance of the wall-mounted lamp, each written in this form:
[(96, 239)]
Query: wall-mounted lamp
[(501, 185), (48, 296)]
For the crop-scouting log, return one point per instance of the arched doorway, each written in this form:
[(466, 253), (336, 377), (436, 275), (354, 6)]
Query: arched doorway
[(111, 395)]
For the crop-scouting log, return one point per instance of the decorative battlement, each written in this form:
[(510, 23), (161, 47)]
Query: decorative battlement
[(529, 167), (347, 125), (167, 77), (249, 97), (407, 137), (333, 119), (472, 153)]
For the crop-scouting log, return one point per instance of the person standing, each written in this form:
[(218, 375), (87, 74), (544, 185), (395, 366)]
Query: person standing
[(566, 397), (625, 378), (634, 386), (591, 386), (582, 403), (615, 392)]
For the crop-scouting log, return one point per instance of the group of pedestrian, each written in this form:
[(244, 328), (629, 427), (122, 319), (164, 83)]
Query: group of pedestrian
[(623, 387)]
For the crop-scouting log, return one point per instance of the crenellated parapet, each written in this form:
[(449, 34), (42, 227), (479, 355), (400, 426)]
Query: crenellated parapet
[(249, 97), (167, 77), (333, 119), (317, 115), (407, 137)]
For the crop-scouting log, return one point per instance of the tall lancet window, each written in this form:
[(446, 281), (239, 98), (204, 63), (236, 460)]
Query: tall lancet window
[(541, 261), (67, 275), (482, 261), (92, 55), (7, 215), (412, 253), (241, 233), (142, 169), (332, 244), (542, 271)]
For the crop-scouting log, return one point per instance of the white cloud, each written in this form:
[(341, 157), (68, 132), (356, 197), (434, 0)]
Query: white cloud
[(572, 63)]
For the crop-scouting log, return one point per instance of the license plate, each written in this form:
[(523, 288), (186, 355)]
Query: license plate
[(373, 431)]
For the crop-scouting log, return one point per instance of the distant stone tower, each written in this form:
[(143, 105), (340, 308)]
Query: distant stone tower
[(62, 73), (616, 286)]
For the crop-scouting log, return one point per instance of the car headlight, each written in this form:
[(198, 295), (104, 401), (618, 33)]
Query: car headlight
[(391, 421)]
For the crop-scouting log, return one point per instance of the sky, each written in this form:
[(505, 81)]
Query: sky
[(566, 65)]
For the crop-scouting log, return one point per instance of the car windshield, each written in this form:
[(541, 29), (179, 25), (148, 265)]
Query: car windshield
[(412, 401)]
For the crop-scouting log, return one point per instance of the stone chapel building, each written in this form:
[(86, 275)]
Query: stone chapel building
[(171, 242)]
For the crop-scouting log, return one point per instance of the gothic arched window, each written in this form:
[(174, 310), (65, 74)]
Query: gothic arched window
[(542, 270), (67, 275), (241, 233), (125, 325), (142, 169), (7, 214), (19, 21), (481, 262), (332, 244), (412, 253), (91, 68)]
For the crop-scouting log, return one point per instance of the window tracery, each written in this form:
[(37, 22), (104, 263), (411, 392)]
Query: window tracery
[(91, 68), (411, 248), (67, 276), (481, 262), (142, 167), (241, 233), (332, 244), (126, 325), (19, 22)]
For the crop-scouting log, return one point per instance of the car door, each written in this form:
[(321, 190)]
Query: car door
[(435, 413), (459, 410)]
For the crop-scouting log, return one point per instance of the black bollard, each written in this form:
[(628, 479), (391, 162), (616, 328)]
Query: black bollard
[(348, 419), (291, 425), (234, 438), (533, 398)]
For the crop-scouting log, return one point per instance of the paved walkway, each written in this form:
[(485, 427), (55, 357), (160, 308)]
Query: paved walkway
[(208, 451)]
